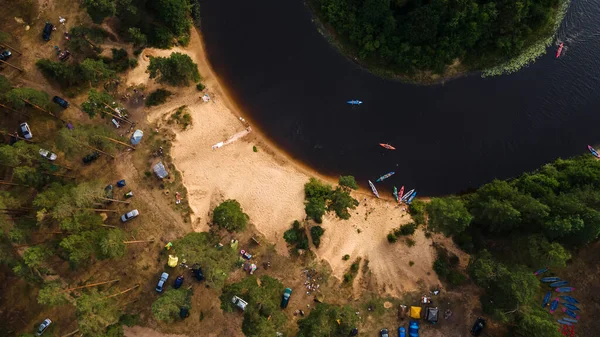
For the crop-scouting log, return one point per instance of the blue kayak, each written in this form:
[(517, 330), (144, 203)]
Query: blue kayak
[(564, 289), (355, 102), (570, 320), (554, 305), (550, 279), (410, 199), (546, 299), (563, 322), (540, 271), (570, 299), (570, 313), (570, 306), (559, 284)]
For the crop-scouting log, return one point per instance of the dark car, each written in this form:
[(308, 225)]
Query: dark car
[(91, 157), (47, 31), (64, 55), (478, 326), (286, 298), (197, 271), (384, 333), (60, 101), (184, 312), (5, 55), (178, 282)]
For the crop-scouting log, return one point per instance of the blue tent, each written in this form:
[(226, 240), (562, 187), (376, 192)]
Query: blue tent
[(413, 329), (136, 138)]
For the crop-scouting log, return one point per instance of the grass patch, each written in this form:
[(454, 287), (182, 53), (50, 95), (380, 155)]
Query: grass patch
[(181, 117)]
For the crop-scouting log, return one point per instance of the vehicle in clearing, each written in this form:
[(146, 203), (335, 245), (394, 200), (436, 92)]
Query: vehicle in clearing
[(47, 154), (43, 327), (184, 312), (197, 272), (478, 326), (60, 101), (64, 55), (108, 193), (5, 55), (129, 215), (161, 283), (47, 31), (178, 282), (26, 131), (240, 303), (384, 333), (91, 157), (286, 298)]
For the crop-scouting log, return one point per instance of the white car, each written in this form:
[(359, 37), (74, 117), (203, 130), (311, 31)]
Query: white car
[(47, 154), (43, 327), (26, 131), (129, 215)]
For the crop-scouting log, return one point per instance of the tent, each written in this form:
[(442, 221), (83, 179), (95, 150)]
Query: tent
[(136, 138), (160, 170), (431, 314), (173, 261), (413, 329), (415, 312)]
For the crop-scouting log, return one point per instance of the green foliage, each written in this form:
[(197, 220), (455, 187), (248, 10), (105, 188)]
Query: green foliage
[(95, 313), (158, 97), (230, 216), (448, 215), (81, 248), (95, 103), (321, 197), (35, 256), (254, 148), (65, 74), (392, 238), (51, 294), (100, 9), (340, 201), (417, 211), (138, 38), (182, 117), (537, 323), (175, 14), (446, 267), (296, 236), (349, 182), (322, 321), (95, 71), (408, 229), (346, 257), (200, 86), (196, 13), (543, 253), (315, 233), (262, 316), (18, 96), (166, 307), (352, 271), (5, 85), (176, 70), (111, 245)]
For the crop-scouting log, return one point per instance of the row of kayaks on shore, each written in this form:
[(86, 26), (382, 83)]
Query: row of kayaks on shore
[(399, 196), (569, 303)]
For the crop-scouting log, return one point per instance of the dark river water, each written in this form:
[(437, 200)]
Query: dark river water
[(293, 86)]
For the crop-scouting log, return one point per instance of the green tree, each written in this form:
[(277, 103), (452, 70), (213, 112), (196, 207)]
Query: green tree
[(176, 70), (315, 233), (95, 71), (112, 245), (166, 307), (137, 37), (18, 96), (95, 312), (65, 74), (537, 323), (340, 201), (51, 294), (95, 103), (175, 14), (35, 256), (448, 215), (349, 182), (323, 321), (316, 194), (158, 97), (100, 9), (544, 253), (230, 216), (80, 248)]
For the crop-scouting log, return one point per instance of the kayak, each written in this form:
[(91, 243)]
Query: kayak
[(387, 146), (355, 102), (540, 271), (374, 189), (570, 313), (395, 194), (550, 279), (560, 48), (546, 299), (559, 284), (407, 195), (400, 193), (411, 198), (570, 299), (564, 289), (564, 322), (554, 305), (384, 177), (570, 306), (594, 152), (570, 320)]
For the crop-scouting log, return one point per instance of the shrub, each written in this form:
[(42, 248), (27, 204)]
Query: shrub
[(411, 263), (315, 233), (177, 69), (230, 216), (392, 238), (255, 149), (158, 97), (166, 307), (456, 278), (349, 182), (410, 242), (296, 236), (417, 211), (440, 266), (200, 86), (346, 257)]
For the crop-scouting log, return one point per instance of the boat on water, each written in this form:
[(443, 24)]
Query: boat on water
[(594, 152), (395, 193), (570, 320), (355, 102), (560, 48), (564, 322), (559, 284), (407, 195), (564, 289), (387, 146), (540, 271), (554, 305), (570, 299), (384, 177), (400, 193), (410, 199), (570, 313), (374, 189), (570, 306), (546, 299), (550, 279)]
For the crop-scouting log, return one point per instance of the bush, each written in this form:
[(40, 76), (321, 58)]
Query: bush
[(410, 242), (349, 182), (392, 238), (177, 69), (255, 149), (158, 97), (296, 236), (411, 263), (315, 233), (417, 211), (166, 307), (200, 86), (441, 268), (456, 278), (404, 230), (230, 216), (346, 257)]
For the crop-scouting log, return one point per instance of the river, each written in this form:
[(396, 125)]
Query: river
[(451, 137)]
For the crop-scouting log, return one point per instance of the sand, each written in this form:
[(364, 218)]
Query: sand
[(269, 185)]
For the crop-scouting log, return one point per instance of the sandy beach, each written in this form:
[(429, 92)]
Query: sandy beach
[(269, 185)]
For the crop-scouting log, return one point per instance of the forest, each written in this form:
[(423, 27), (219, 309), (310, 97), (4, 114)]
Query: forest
[(406, 36)]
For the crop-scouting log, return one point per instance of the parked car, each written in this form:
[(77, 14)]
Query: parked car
[(43, 327), (240, 303), (60, 101), (384, 333), (184, 312), (47, 31), (178, 282), (47, 154), (5, 55), (129, 215), (115, 123), (64, 55), (286, 297), (91, 157), (478, 326), (161, 283), (197, 271), (26, 131)]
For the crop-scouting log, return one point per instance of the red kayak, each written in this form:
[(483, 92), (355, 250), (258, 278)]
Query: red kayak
[(560, 48), (387, 146), (400, 194)]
